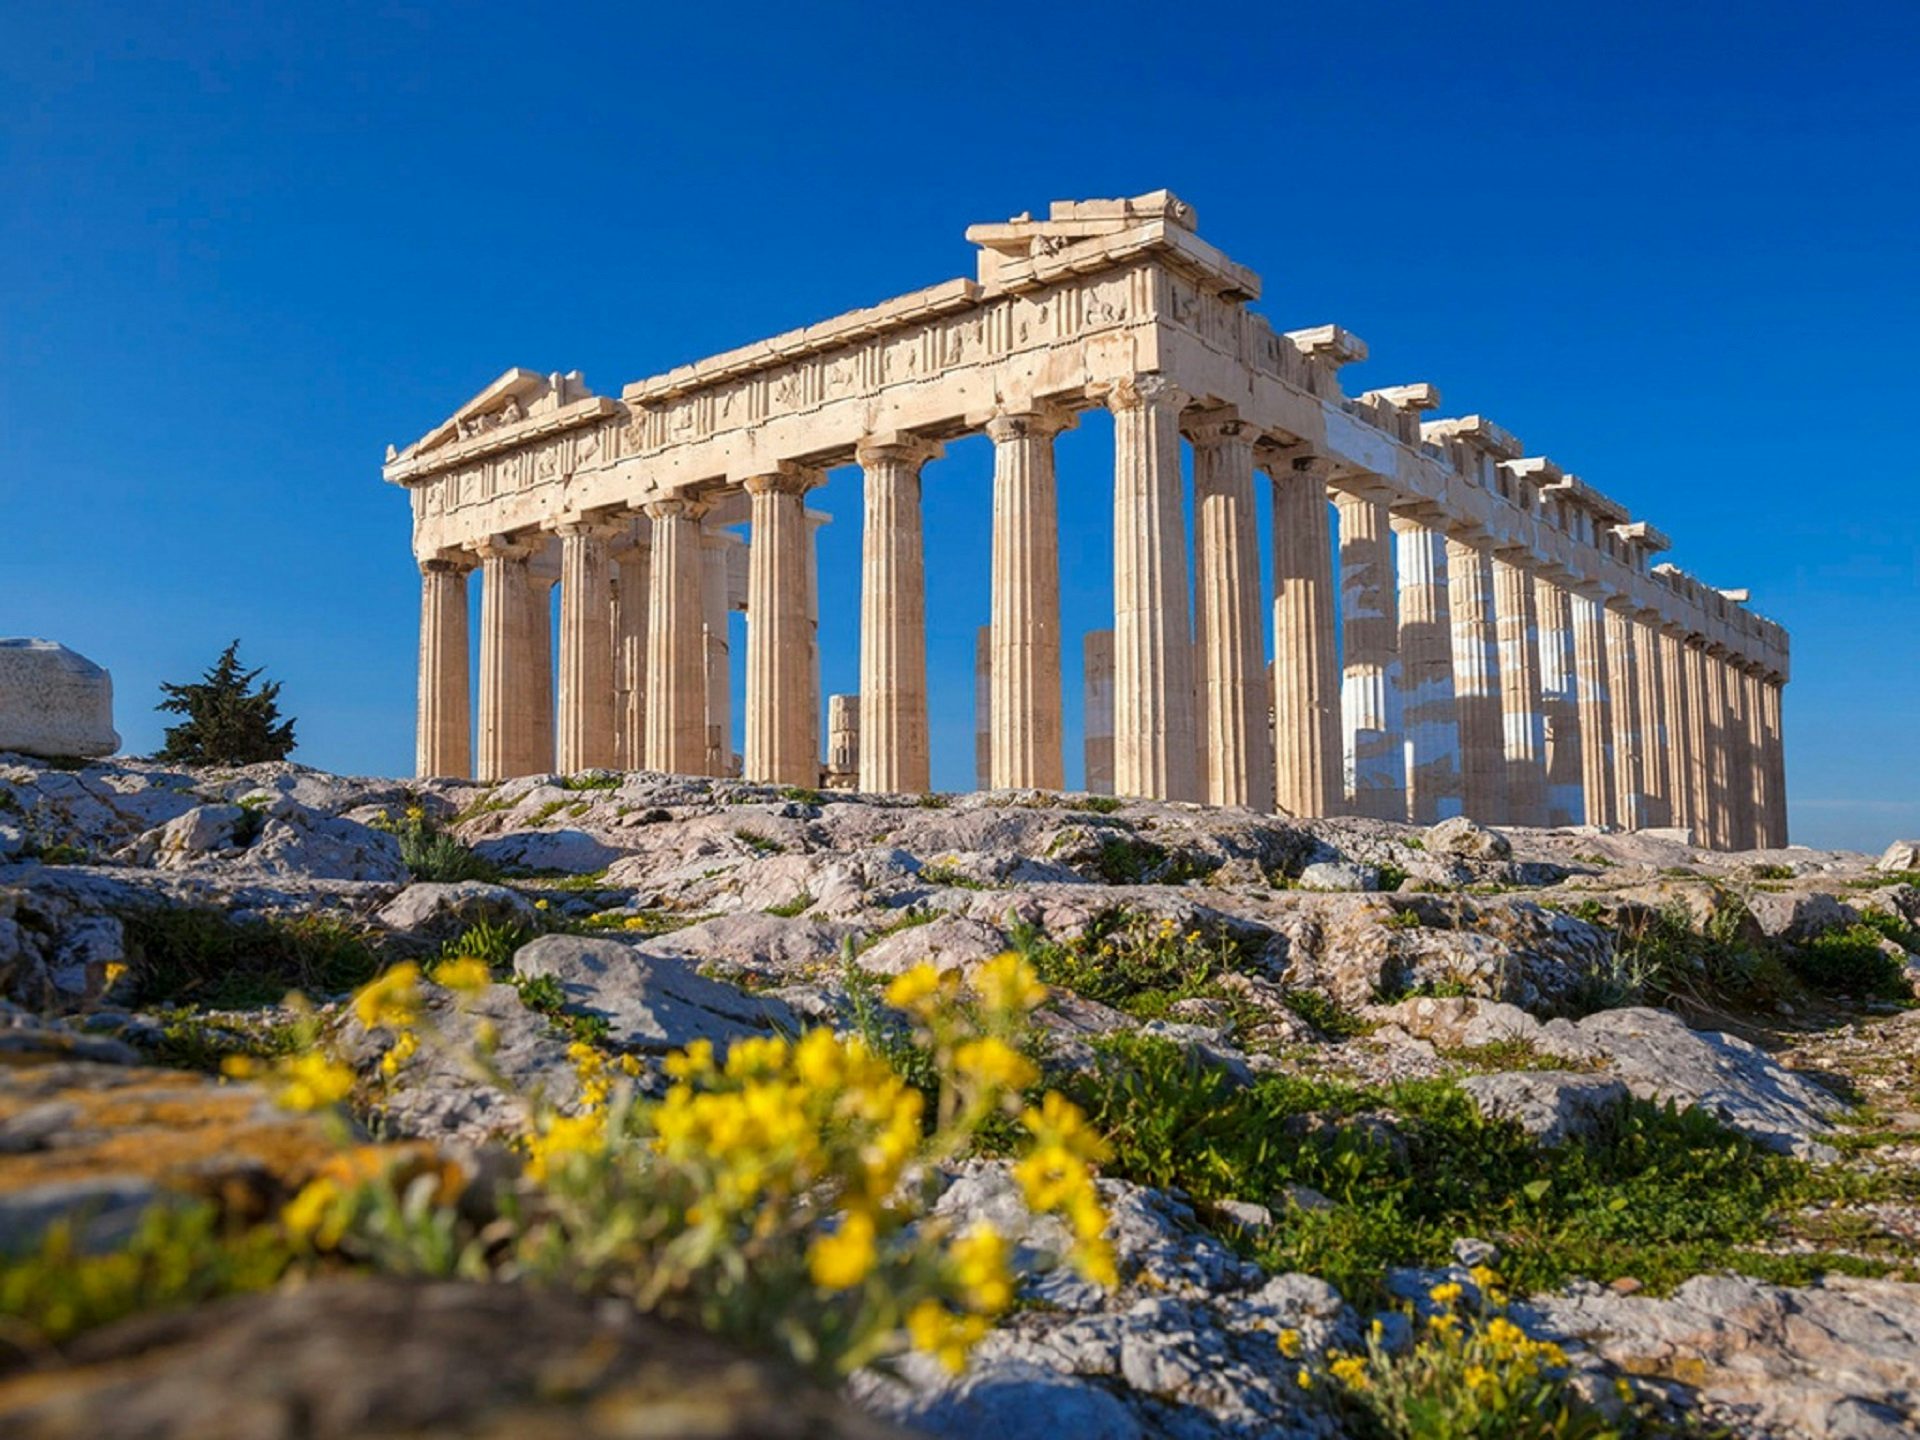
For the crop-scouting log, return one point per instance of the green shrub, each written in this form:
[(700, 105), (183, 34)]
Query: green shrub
[(1098, 804), (1129, 860), (431, 853), (787, 909), (1850, 962), (1661, 958), (1130, 960), (197, 954), (591, 780), (488, 941)]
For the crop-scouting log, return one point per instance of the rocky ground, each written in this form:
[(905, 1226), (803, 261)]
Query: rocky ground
[(1672, 1096)]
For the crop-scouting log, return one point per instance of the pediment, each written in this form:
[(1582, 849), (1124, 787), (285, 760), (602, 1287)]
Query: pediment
[(515, 398)]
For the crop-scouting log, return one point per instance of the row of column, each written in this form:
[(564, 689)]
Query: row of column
[(1462, 678)]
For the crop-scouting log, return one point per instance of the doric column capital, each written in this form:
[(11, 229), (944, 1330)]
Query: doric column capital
[(502, 547), (1144, 392), (787, 479), (1421, 515), (673, 507), (1038, 421), (449, 562), (896, 447), (1287, 462), (594, 527), (1219, 426)]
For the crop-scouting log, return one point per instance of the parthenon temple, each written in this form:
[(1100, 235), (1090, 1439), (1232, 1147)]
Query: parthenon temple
[(1454, 626)]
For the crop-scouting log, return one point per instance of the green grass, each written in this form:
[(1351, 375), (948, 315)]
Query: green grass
[(1659, 1195), (488, 941), (1128, 860), (543, 995), (1852, 962), (1663, 958), (197, 955), (590, 781), (1098, 804), (787, 909), (188, 1040), (759, 844), (801, 795), (1132, 961)]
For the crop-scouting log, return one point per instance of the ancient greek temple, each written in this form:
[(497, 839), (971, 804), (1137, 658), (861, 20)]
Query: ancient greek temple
[(1455, 626)]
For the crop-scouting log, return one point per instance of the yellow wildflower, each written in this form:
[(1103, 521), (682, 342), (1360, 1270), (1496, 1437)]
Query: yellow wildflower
[(562, 1138), (313, 1081), (392, 1000), (1303, 1377), (1477, 1377), (315, 1216), (1485, 1276), (113, 971), (541, 904), (1350, 1371), (691, 1063), (466, 974), (1504, 1333), (911, 989), (992, 1062), (944, 1335), (1008, 986), (843, 1259), (980, 1260), (820, 1060), (401, 1051), (1445, 1294), (1289, 1342)]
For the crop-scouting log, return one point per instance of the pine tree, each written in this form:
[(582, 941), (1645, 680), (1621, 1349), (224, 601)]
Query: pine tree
[(228, 721)]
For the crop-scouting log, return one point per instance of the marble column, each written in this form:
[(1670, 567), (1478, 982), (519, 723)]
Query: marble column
[(631, 586), (1776, 762), (586, 730), (507, 690), (1719, 749), (779, 749), (1098, 723), (983, 708), (1374, 744), (811, 715), (1677, 754), (1306, 676), (1559, 701), (444, 741), (717, 549), (1592, 691), (1760, 778), (895, 753), (1026, 681), (1476, 681), (843, 742), (540, 642), (1740, 826), (1623, 682), (1524, 726), (1427, 704), (1232, 670), (676, 660), (1654, 742), (1154, 737), (1699, 742)]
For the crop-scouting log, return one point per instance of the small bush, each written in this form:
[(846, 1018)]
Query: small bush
[(802, 795), (487, 941), (591, 780), (1130, 960), (197, 954), (1098, 804), (1850, 962), (1661, 958), (759, 844), (787, 909), (433, 854), (1128, 860)]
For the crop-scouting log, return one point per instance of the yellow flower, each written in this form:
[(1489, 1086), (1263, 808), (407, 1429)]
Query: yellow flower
[(1477, 1377), (1350, 1371), (315, 1216), (1485, 1276), (820, 1060), (113, 971), (402, 1051), (691, 1063), (994, 1063), (416, 814), (541, 903), (313, 1081), (1008, 985), (1303, 1378), (1445, 1294), (911, 989), (946, 1336), (561, 1139), (1503, 1332), (391, 1000), (843, 1259), (980, 1261), (1289, 1343), (466, 974)]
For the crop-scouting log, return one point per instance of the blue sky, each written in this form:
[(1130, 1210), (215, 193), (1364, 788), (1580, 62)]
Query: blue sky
[(249, 245)]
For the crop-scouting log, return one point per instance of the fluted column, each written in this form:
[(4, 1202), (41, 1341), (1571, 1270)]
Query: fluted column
[(1524, 726), (1154, 737), (895, 754), (1026, 681), (717, 550), (586, 728), (1740, 827), (444, 742), (1476, 681), (843, 741), (1623, 681), (983, 708), (1678, 754), (543, 576), (1232, 670), (1592, 681), (631, 587), (1654, 741), (1719, 749), (778, 648), (1759, 779), (1700, 742), (1427, 704), (676, 663), (1374, 745), (1776, 762), (507, 690), (1306, 676), (1559, 702), (1098, 723)]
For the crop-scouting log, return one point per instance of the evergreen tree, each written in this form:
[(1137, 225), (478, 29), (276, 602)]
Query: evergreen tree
[(228, 721)]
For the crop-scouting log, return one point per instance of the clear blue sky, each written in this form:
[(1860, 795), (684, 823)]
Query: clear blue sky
[(249, 245)]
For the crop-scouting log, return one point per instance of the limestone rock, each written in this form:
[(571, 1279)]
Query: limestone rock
[(1900, 856), (382, 1358), (570, 852), (1553, 1106), (446, 908), (53, 702), (1339, 875), (650, 1001), (204, 831), (1468, 839), (952, 942)]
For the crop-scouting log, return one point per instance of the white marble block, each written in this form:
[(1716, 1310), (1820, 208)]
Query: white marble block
[(53, 702)]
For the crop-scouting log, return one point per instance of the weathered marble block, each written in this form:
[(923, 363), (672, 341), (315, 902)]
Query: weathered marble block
[(53, 702)]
